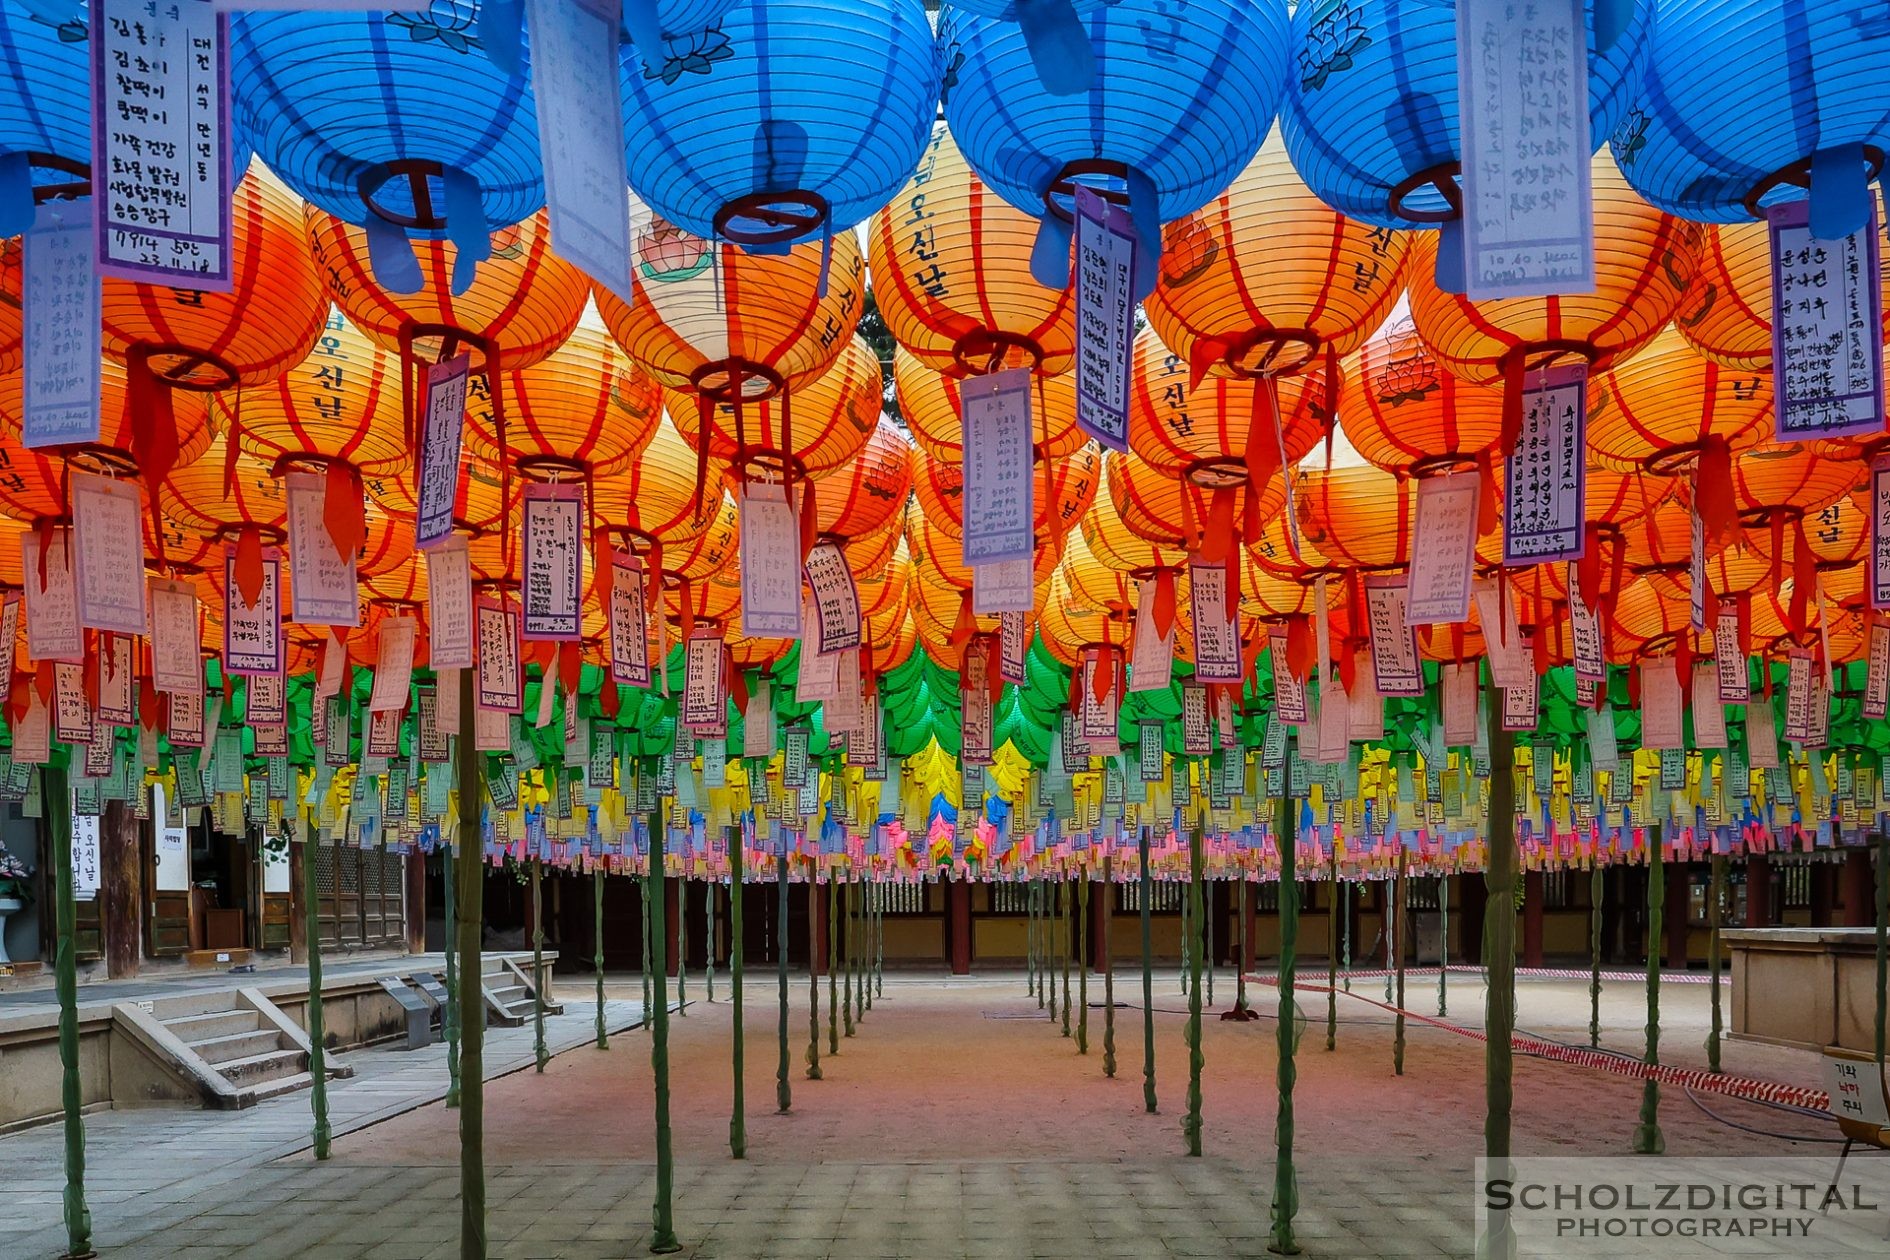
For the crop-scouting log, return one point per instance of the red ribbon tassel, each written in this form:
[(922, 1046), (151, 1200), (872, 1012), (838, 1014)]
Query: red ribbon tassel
[(1164, 609), (1713, 495), (1804, 578), (249, 564), (1263, 444), (1218, 537), (1489, 501), (343, 512), (570, 666)]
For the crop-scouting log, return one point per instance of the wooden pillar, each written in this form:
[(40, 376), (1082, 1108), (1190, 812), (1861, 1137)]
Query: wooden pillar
[(1101, 904), (121, 891), (958, 916), (1858, 889), (1758, 892), (298, 909), (1532, 919), (1674, 918), (416, 902)]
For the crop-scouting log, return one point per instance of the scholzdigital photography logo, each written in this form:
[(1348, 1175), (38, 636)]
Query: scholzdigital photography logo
[(1677, 1207)]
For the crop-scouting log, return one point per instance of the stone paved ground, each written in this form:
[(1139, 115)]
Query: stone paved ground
[(958, 1122)]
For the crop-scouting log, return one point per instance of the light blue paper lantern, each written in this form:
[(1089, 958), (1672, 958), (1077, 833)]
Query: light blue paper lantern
[(646, 23), (1748, 103), (1182, 94), (786, 121), (1371, 112), (45, 109), (396, 122)]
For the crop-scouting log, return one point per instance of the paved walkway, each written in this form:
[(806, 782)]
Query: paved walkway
[(172, 983), (149, 1168), (958, 1122)]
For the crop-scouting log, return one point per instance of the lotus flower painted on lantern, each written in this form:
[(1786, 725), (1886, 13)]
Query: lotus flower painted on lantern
[(666, 253), (1330, 44), (455, 33), (691, 54)]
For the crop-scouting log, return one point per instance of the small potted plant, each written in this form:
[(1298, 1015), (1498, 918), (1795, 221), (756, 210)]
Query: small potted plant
[(15, 892)]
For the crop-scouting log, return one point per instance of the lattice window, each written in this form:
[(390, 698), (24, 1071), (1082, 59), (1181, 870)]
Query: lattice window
[(1010, 898), (1165, 897), (900, 898)]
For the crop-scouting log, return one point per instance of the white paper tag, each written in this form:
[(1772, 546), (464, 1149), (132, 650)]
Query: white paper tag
[(1289, 693), (52, 596), (770, 563), (552, 563), (1827, 328), (1732, 680), (72, 716), (501, 682), (758, 726), (322, 585), (252, 633), (1152, 655), (1197, 736), (1660, 705), (1799, 722), (266, 701), (574, 48), (1443, 551), (1709, 718), (1105, 318), (1510, 663), (999, 487), (705, 698), (393, 669), (442, 429), (1761, 736), (1216, 635), (1527, 204), (836, 599), (108, 553), (450, 605), (175, 662), (1880, 532), (161, 172), (629, 622), (1013, 644), (1877, 674), (1397, 670), (1003, 586), (117, 690), (1585, 634), (1545, 481), (1458, 683), (59, 305)]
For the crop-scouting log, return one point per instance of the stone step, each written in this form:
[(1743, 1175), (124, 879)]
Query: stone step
[(253, 1070), (234, 1046), (281, 1085), (508, 995), (194, 1028)]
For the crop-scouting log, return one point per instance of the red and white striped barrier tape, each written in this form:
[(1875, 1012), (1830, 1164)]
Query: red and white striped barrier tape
[(1687, 1078)]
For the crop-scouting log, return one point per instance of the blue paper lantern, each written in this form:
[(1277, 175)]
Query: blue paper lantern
[(647, 23), (45, 109), (1054, 33), (786, 121), (396, 122), (1182, 94), (1371, 118), (1751, 102)]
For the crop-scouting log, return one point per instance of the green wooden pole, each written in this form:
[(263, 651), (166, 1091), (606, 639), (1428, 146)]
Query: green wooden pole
[(1109, 968), (1207, 938), (1285, 1207), (1499, 933), (1397, 946), (1030, 941), (539, 1053), (1191, 1123), (1082, 964), (1047, 965), (737, 1121), (78, 1216), (1063, 947), (1648, 1139), (469, 853), (1148, 982), (783, 1089), (597, 951), (879, 943), (813, 976), (865, 923), (682, 944), (1332, 960), (317, 1033), (1883, 942), (708, 974), (1240, 947), (1595, 892), (1443, 945), (449, 1018), (643, 907), (1713, 894), (662, 1225), (847, 944), (833, 963), (1187, 940), (1345, 930)]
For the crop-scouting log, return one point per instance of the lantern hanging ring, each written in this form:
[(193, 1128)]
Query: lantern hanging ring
[(1798, 175), (772, 218), (1261, 353), (1410, 199)]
